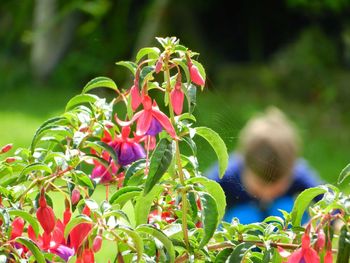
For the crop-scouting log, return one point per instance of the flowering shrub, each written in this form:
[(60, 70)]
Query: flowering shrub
[(157, 206)]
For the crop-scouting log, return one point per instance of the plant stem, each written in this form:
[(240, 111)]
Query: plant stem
[(178, 159)]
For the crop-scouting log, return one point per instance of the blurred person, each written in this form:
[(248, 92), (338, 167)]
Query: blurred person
[(265, 173)]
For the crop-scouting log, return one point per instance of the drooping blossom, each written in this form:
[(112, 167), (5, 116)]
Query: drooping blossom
[(53, 242), (177, 98), (96, 245), (17, 227), (150, 120), (305, 254), (75, 196), (128, 149), (45, 214), (196, 77)]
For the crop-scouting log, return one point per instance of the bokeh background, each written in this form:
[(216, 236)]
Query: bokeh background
[(293, 54)]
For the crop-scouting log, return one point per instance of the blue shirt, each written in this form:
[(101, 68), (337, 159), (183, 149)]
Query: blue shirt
[(249, 209)]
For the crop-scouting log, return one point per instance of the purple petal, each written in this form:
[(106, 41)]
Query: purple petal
[(63, 252), (129, 152), (154, 128)]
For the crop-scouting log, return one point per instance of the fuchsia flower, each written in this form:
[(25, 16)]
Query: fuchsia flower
[(196, 77), (45, 214), (305, 254), (135, 96), (150, 120), (54, 242), (177, 98), (128, 149)]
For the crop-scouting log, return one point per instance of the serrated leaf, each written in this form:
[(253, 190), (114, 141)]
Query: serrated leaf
[(124, 194), (81, 99), (74, 222), (158, 234), (152, 52), (344, 174), (33, 248), (210, 217), (129, 65), (100, 82), (302, 202), (28, 218), (159, 163), (144, 204), (217, 144)]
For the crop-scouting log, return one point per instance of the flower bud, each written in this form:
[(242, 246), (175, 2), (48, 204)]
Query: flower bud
[(10, 159), (177, 98), (96, 246), (196, 77), (75, 196), (45, 215), (6, 148), (135, 97), (321, 240)]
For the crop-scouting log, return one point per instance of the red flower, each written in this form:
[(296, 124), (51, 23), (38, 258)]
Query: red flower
[(177, 98), (45, 215), (329, 257), (96, 245), (305, 254), (17, 227), (75, 196)]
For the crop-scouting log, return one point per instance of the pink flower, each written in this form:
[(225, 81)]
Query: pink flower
[(128, 149), (135, 96), (196, 77), (150, 120), (177, 98), (305, 254)]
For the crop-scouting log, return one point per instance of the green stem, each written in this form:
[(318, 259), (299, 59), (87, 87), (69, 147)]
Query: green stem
[(178, 159)]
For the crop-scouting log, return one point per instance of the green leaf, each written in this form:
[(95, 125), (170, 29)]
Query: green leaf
[(152, 52), (344, 174), (158, 234), (36, 167), (117, 214), (74, 222), (144, 204), (218, 145), (159, 163), (124, 194), (83, 179), (28, 218), (223, 255), (98, 145), (134, 169), (302, 202), (33, 248), (129, 65), (54, 258), (49, 122), (210, 216), (239, 252), (136, 238), (191, 95), (215, 190), (100, 82), (145, 74), (81, 99)]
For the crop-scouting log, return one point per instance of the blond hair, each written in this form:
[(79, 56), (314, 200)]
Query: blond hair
[(269, 144)]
